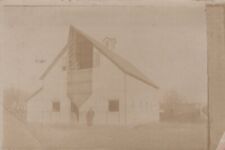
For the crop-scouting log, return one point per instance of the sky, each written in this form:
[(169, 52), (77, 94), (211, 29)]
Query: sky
[(167, 43)]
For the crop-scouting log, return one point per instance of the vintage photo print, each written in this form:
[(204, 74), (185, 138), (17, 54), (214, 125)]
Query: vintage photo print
[(105, 77)]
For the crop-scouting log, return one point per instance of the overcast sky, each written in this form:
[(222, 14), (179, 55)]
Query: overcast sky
[(167, 43)]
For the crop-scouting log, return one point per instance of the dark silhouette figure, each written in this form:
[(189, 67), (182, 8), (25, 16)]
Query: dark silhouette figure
[(90, 117), (75, 111)]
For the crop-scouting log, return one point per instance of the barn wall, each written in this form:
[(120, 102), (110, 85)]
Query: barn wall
[(140, 104), (54, 90), (40, 110), (108, 82)]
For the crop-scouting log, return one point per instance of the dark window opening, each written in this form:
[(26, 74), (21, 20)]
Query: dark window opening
[(75, 110), (113, 105), (56, 107)]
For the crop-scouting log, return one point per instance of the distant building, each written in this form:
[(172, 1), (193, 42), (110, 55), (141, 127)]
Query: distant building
[(182, 112), (86, 75)]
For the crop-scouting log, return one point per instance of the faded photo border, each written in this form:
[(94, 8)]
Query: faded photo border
[(102, 2)]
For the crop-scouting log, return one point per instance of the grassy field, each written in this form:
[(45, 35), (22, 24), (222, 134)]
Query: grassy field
[(155, 136)]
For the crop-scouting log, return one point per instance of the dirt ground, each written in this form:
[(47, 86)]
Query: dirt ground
[(155, 136)]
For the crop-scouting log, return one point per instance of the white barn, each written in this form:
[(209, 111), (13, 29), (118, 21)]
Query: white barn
[(86, 75)]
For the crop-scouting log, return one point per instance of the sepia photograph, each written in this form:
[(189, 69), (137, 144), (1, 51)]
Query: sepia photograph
[(112, 77)]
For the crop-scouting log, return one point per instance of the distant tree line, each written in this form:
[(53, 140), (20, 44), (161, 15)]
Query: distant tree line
[(14, 101)]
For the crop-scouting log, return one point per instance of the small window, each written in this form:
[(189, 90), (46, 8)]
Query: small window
[(113, 105), (56, 107)]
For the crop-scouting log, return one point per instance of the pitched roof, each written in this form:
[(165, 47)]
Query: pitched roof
[(64, 50), (120, 62), (34, 94)]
